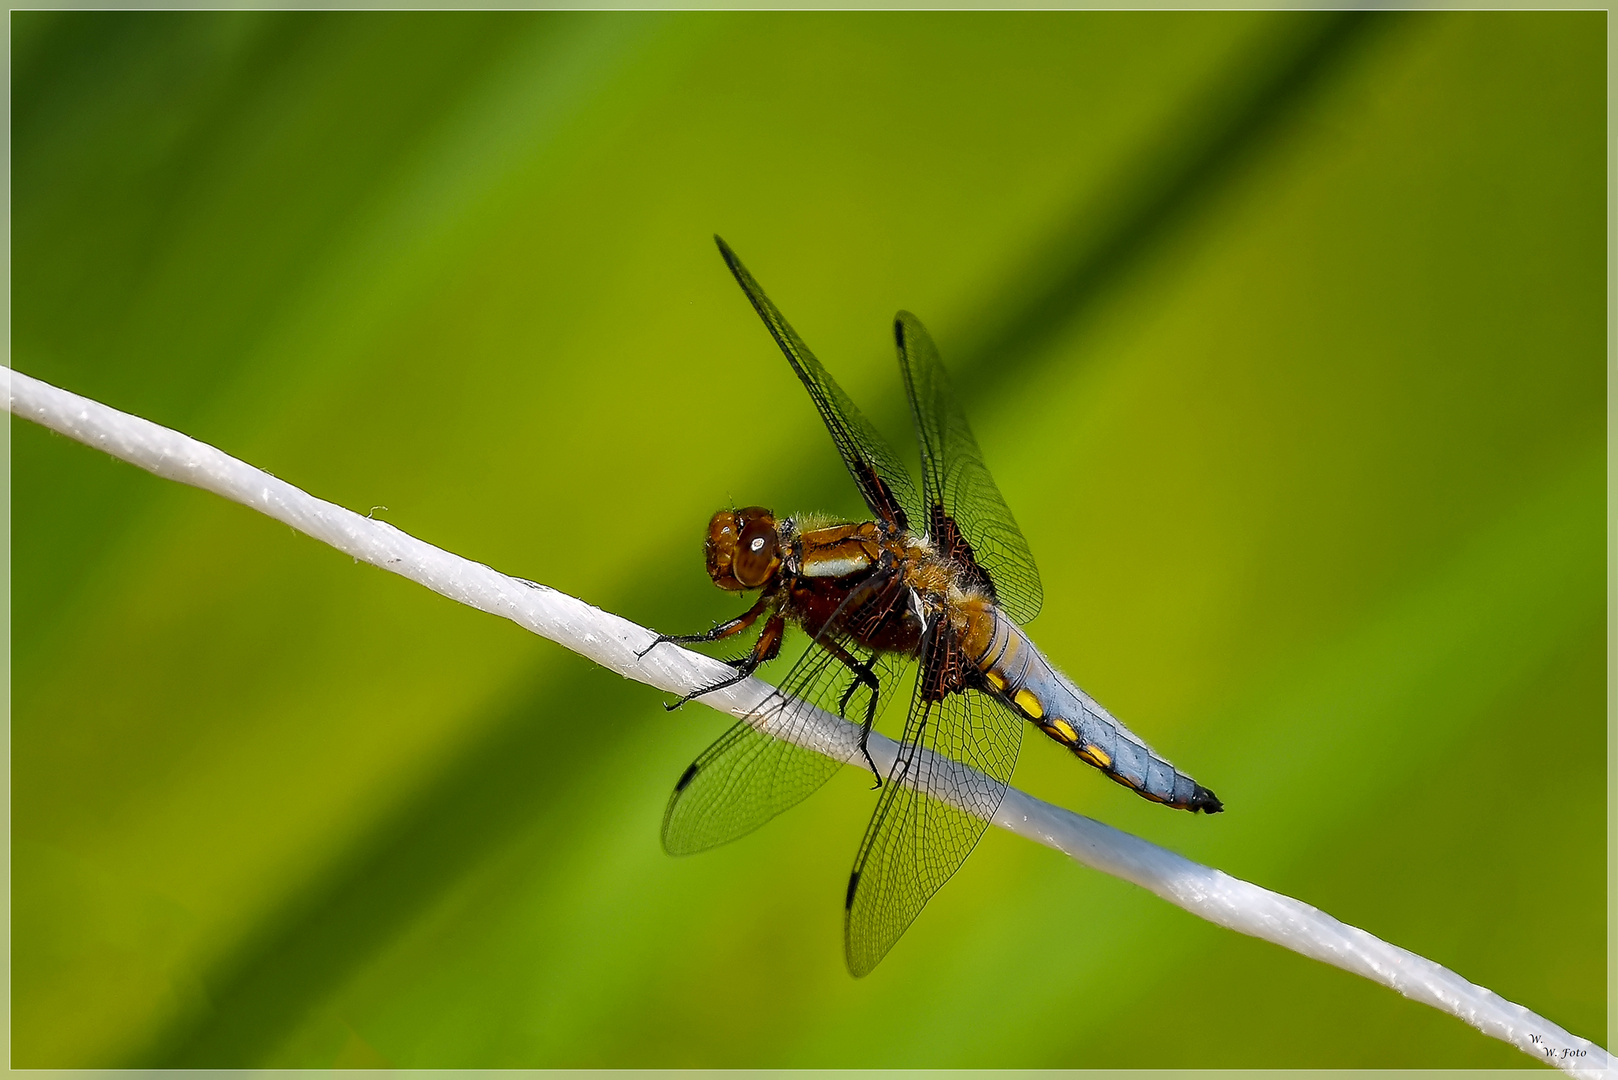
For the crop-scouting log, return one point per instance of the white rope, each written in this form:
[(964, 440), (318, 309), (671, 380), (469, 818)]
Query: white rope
[(613, 643)]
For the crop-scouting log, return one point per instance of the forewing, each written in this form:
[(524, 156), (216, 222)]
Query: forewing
[(916, 841), (965, 514), (881, 476), (748, 776)]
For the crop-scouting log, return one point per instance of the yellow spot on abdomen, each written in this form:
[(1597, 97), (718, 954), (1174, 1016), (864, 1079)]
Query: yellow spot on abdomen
[(996, 680), (1130, 784), (1095, 756), (1064, 730), (1029, 704)]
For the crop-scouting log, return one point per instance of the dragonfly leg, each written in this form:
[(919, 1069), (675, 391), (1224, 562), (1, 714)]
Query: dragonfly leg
[(764, 650), (876, 600), (865, 738), (723, 630), (864, 675)]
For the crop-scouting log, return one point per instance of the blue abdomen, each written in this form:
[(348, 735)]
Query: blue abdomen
[(1019, 673)]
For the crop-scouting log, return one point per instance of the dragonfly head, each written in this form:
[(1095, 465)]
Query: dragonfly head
[(744, 548)]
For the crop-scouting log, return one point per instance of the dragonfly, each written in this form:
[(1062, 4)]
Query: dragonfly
[(944, 582)]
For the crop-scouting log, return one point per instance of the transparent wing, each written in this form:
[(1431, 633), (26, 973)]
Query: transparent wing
[(916, 841), (882, 478), (748, 776), (965, 514)]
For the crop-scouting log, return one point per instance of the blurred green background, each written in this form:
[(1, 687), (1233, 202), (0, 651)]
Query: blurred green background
[(1283, 334)]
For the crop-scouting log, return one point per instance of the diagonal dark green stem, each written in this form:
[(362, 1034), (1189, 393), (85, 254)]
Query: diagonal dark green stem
[(1194, 160)]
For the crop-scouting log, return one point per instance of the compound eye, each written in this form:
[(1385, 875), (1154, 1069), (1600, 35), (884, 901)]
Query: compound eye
[(755, 557)]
